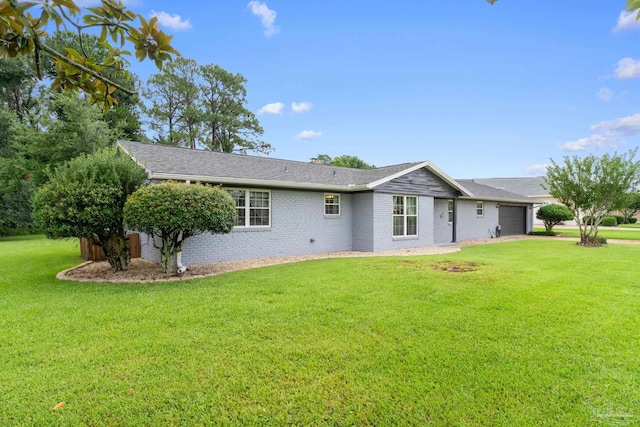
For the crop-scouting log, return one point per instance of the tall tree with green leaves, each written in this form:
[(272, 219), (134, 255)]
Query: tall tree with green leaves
[(344, 161), (174, 113), (631, 206), (24, 33), (16, 185), (18, 89), (72, 127), (228, 125), (123, 117), (593, 186), (202, 106)]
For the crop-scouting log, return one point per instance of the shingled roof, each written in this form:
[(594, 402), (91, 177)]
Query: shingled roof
[(165, 162), (486, 192), (531, 187)]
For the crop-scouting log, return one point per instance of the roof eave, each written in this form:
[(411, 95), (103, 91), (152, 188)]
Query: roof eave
[(499, 199), (258, 182)]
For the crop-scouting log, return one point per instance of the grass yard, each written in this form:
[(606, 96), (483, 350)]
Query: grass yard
[(629, 225), (606, 232), (539, 332)]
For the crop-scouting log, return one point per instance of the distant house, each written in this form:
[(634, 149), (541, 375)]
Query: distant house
[(534, 188), (290, 208)]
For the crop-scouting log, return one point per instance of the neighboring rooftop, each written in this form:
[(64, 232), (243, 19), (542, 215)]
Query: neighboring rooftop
[(487, 192), (530, 187)]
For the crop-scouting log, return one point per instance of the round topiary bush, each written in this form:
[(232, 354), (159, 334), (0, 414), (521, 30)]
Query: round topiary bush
[(609, 221), (172, 212), (553, 214)]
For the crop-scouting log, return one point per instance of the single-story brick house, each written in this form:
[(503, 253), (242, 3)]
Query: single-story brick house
[(293, 208)]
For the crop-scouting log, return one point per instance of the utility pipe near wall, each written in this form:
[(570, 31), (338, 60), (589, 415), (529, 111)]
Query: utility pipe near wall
[(181, 268)]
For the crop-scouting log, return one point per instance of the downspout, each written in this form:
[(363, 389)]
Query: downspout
[(181, 268), (454, 226)]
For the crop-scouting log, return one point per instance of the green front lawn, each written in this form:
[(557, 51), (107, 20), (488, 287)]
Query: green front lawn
[(629, 225), (541, 332), (606, 232)]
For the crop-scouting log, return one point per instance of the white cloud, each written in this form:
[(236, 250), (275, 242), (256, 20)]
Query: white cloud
[(538, 169), (608, 133), (605, 94), (266, 15), (626, 21), (306, 135), (301, 107), (272, 108), (628, 68), (174, 22)]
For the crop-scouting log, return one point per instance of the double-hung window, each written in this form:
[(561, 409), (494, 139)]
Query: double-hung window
[(253, 207), (331, 204), (405, 216), (480, 208)]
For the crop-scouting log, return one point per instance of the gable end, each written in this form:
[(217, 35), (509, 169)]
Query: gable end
[(420, 182)]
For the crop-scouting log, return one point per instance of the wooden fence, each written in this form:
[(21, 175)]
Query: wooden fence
[(91, 252)]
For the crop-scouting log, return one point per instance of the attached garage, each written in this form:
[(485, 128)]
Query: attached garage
[(512, 220)]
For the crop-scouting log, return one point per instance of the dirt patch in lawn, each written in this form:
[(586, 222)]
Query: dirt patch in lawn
[(448, 266), (455, 266)]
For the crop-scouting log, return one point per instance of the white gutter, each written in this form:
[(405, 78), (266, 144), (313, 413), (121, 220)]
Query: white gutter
[(257, 182), (497, 199)]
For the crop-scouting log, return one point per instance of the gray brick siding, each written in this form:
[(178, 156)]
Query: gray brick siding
[(470, 225), (383, 239), (298, 226), (442, 229), (362, 233)]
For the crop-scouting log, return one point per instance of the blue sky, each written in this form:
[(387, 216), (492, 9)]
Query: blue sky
[(480, 90)]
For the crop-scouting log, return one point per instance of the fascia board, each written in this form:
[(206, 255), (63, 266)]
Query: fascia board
[(499, 199), (258, 182)]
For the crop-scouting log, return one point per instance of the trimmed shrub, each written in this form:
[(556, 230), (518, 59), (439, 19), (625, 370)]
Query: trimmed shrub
[(588, 220), (633, 220), (596, 241), (85, 198), (172, 212), (619, 218), (543, 233), (609, 221), (553, 214)]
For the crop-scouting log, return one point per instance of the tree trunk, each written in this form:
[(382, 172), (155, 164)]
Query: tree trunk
[(118, 252), (166, 257)]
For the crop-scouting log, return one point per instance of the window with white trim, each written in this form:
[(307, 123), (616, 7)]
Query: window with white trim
[(479, 208), (450, 211), (405, 216), (331, 204), (253, 207)]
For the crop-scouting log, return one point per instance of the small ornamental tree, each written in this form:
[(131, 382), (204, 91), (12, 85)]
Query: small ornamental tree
[(85, 198), (593, 186), (632, 206), (553, 215), (172, 212)]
